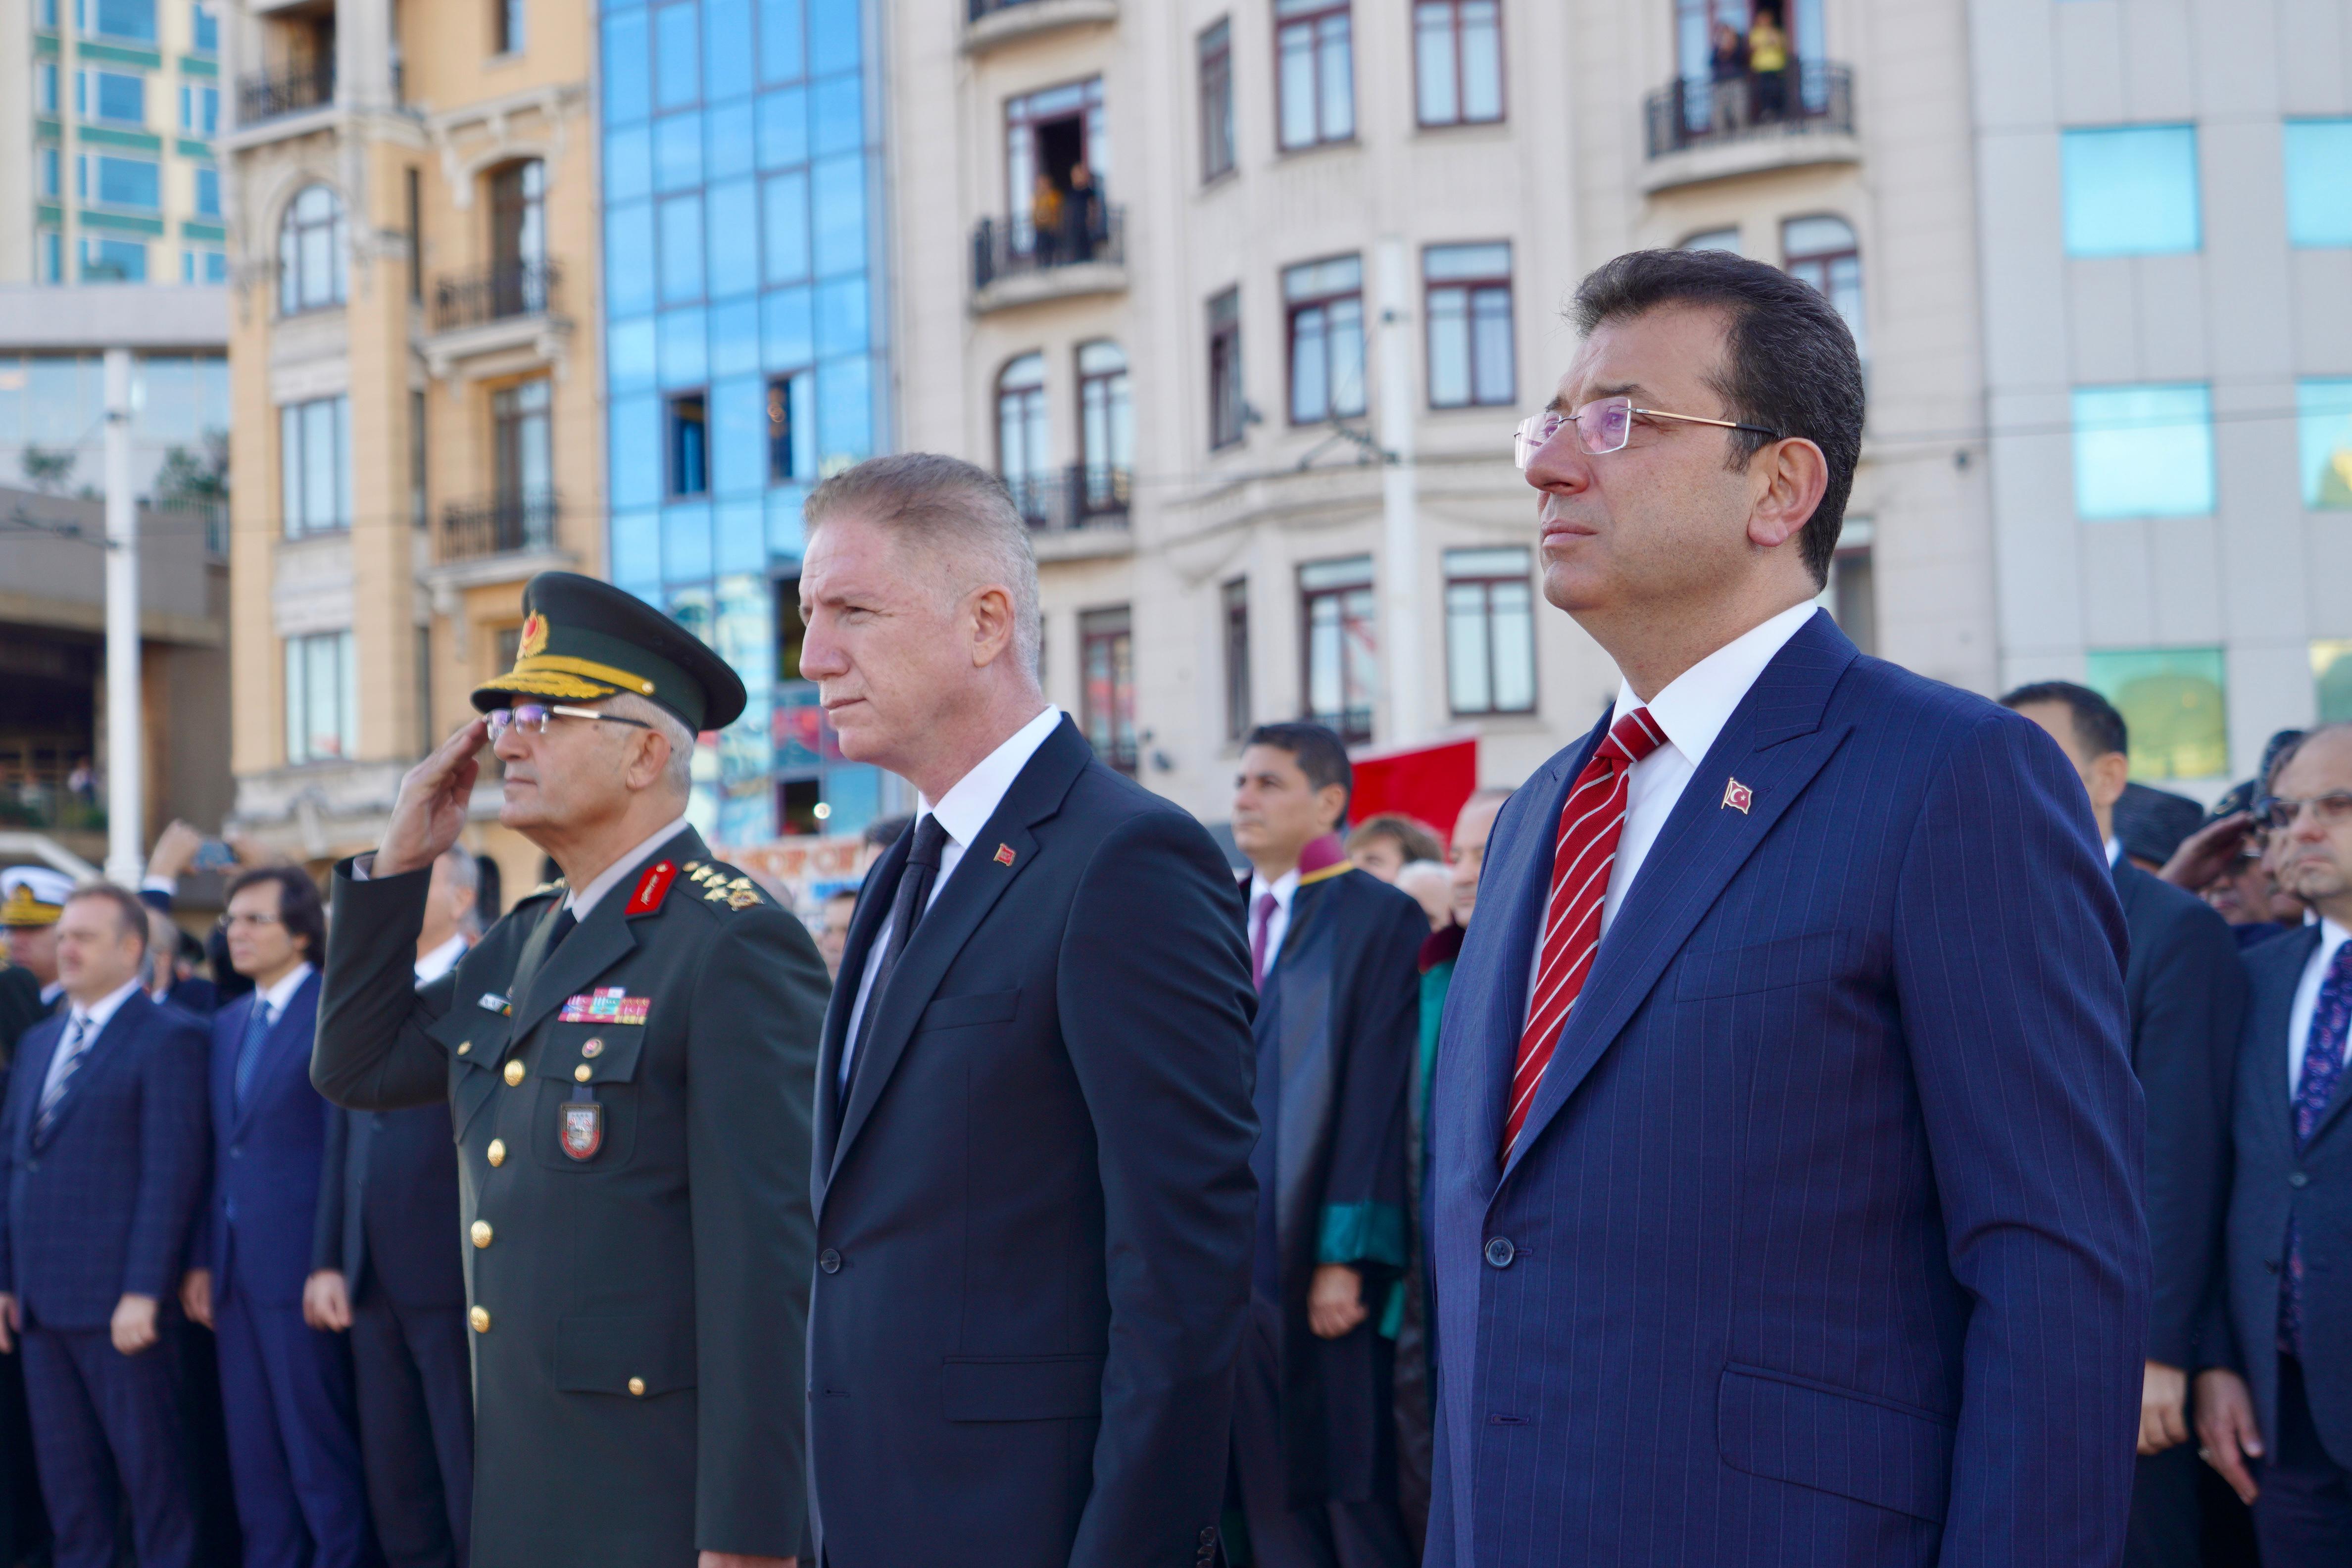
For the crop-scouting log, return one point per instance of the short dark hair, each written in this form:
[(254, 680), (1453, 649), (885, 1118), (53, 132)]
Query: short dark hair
[(298, 909), (1790, 363), (2097, 724), (130, 910), (1322, 755)]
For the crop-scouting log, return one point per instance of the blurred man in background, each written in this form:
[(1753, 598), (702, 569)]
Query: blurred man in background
[(1386, 844), (32, 897), (1429, 884), (833, 937)]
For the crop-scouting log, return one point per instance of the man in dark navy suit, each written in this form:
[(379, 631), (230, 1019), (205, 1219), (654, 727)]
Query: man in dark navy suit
[(2188, 996), (285, 1379), (389, 1233), (2274, 1408), (103, 1162), (1333, 949), (1786, 1200), (1032, 1173)]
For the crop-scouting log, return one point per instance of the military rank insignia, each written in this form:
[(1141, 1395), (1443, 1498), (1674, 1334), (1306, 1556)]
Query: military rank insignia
[(583, 1127), (652, 888), (605, 1005)]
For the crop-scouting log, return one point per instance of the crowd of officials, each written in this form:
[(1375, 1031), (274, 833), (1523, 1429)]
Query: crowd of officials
[(1826, 1164)]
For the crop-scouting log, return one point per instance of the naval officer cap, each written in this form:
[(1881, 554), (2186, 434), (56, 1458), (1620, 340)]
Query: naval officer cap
[(33, 896), (583, 639)]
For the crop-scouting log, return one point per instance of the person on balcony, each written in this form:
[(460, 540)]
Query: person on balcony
[(1082, 216), (1768, 64), (1727, 69), (1046, 221)]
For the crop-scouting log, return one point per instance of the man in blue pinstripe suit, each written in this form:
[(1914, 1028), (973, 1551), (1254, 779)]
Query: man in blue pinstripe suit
[(1785, 1206)]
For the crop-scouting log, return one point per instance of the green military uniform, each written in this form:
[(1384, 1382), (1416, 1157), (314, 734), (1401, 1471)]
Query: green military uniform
[(632, 1106)]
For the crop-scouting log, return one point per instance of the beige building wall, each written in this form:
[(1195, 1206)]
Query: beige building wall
[(413, 127), (1567, 179)]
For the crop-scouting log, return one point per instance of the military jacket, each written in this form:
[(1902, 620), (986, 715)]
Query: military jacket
[(631, 1109)]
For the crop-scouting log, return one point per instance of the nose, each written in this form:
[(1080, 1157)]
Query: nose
[(821, 658), (511, 747), (1560, 465)]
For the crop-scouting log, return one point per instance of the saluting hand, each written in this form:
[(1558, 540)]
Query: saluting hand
[(431, 810)]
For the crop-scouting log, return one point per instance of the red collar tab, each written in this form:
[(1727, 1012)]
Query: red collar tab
[(1324, 853), (652, 888)]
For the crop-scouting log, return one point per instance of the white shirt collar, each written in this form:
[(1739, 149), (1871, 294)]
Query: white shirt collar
[(442, 960), (279, 995), (1284, 888), (581, 900), (1696, 705), (973, 799), (2115, 851), (2331, 937), (106, 1006)]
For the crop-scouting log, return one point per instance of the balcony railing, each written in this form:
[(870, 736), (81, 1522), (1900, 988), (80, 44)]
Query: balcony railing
[(1810, 96), (502, 525), (270, 94), (494, 294), (1086, 231), (1080, 495)]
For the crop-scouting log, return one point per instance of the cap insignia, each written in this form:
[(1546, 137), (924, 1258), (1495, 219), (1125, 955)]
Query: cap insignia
[(534, 636)]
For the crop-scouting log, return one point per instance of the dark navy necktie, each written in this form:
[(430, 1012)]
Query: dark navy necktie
[(249, 1050), (2323, 1064), (916, 879)]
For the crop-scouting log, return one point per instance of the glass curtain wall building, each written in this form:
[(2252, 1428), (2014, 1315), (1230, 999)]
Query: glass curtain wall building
[(744, 328)]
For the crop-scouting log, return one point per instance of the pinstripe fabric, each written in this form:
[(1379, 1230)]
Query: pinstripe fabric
[(1825, 1244)]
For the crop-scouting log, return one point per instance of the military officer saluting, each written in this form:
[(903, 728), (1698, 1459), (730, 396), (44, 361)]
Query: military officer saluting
[(629, 1059)]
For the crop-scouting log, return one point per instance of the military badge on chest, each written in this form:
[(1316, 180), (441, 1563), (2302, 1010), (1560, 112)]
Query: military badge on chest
[(582, 1125)]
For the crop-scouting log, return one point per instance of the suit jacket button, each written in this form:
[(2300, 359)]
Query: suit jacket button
[(481, 1233), (497, 1152), (829, 1260), (1499, 1252), (1208, 1535), (464, 1046), (514, 1074), (236, 1151), (637, 1386), (2298, 1179), (480, 1318)]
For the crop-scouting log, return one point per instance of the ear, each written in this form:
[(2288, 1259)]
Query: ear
[(652, 755), (1330, 802), (2109, 774), (992, 623), (1787, 480)]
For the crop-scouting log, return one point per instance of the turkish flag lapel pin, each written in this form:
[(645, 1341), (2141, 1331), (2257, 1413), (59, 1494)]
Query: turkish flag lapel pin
[(1737, 797)]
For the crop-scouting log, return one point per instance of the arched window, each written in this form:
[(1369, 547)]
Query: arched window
[(1823, 251), (1023, 439), (1105, 426), (311, 252)]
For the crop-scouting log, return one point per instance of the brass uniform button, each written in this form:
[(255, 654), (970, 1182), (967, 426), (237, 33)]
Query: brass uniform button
[(481, 1233), (637, 1386), (514, 1074), (480, 1318), (581, 1073), (464, 1046), (498, 1151)]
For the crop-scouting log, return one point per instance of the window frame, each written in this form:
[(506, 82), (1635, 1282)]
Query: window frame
[(1312, 14), (1487, 583), (1225, 333), (1110, 629), (792, 433), (1291, 311), (1339, 723), (1212, 49), (1117, 390), (1469, 288), (509, 30), (2074, 137), (1502, 76), (1791, 261), (1234, 640), (299, 699), (1037, 412), (293, 276), (294, 479), (673, 406)]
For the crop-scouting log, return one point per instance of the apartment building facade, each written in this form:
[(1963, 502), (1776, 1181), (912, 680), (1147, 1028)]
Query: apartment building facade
[(417, 384), (1244, 297), (2165, 240)]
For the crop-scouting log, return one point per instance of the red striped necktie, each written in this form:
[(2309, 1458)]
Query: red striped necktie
[(1589, 826)]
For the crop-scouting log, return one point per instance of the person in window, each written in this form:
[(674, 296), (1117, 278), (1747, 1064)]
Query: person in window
[(1082, 216), (1045, 220), (1726, 68), (1768, 64)]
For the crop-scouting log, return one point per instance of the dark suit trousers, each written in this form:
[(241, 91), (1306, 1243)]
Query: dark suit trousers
[(23, 1525), (2167, 1521), (410, 1370), (105, 1424), (293, 1443), (2304, 1516), (1324, 1535)]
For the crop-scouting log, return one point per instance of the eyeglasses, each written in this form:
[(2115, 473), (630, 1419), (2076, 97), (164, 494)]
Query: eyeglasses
[(1602, 427), (532, 717), (259, 922), (2277, 813)]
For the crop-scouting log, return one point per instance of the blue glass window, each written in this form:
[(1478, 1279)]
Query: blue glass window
[(786, 206), (625, 54), (787, 533), (684, 352), (689, 447), (787, 332), (834, 44), (678, 82), (839, 115), (2144, 451), (636, 551), (840, 190), (681, 249), (2318, 182), (128, 183), (636, 452), (117, 95), (841, 316), (743, 547), (113, 261), (685, 543), (205, 30), (677, 151), (729, 140), (208, 192), (629, 353), (726, 50), (783, 56), (734, 242), (738, 436), (783, 127), (628, 165), (792, 428), (122, 19), (735, 338), (629, 258), (844, 417), (2132, 190), (2323, 438)]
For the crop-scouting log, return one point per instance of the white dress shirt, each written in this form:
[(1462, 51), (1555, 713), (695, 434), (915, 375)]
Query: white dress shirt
[(2307, 1002), (442, 960), (1691, 710), (276, 998), (97, 1014), (1284, 887), (962, 812), (581, 900)]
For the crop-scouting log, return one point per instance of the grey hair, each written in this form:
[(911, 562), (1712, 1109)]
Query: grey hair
[(2287, 753), (677, 774), (960, 510)]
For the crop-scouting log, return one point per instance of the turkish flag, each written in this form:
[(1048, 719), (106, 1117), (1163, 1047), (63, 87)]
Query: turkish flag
[(1426, 783)]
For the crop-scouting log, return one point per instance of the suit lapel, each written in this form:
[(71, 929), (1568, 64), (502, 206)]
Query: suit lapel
[(286, 1033), (865, 924), (2270, 1014), (96, 1058), (33, 1052), (597, 944), (980, 879), (1774, 743)]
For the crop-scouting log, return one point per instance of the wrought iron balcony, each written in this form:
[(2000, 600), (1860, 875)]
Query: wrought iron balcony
[(1088, 231), (1810, 95), (269, 94), (1079, 496), (502, 525), (495, 294)]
